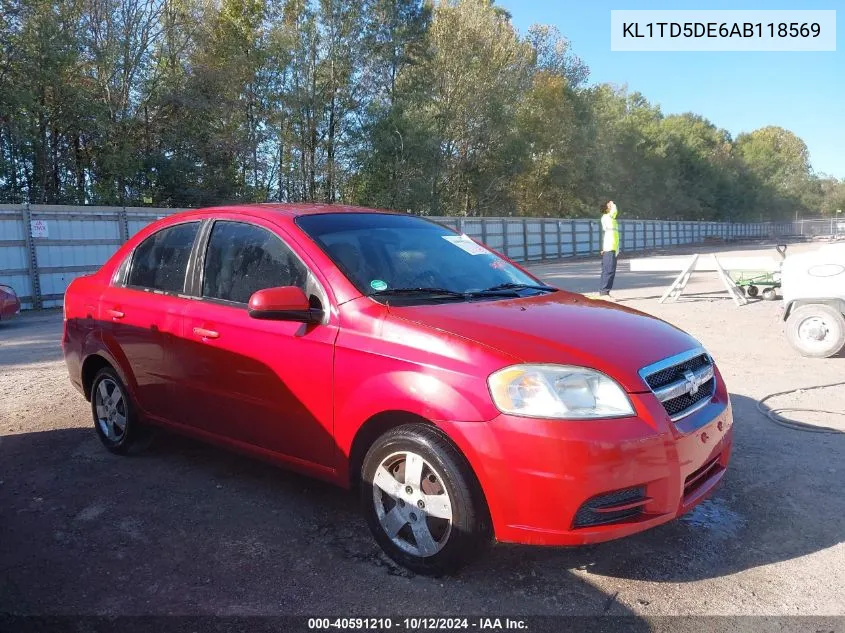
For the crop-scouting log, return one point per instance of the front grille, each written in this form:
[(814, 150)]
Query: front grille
[(682, 383), (669, 375), (600, 510), (681, 403)]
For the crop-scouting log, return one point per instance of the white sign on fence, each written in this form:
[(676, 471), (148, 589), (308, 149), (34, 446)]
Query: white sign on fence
[(38, 228)]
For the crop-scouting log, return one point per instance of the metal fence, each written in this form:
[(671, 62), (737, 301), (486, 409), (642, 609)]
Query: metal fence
[(44, 247), (833, 227)]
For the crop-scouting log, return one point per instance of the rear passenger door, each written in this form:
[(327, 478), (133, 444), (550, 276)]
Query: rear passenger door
[(141, 314), (262, 383)]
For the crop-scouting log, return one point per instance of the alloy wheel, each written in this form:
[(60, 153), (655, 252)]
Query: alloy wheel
[(111, 410), (412, 504)]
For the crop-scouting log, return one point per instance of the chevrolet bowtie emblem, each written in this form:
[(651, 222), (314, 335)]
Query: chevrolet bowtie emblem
[(693, 382)]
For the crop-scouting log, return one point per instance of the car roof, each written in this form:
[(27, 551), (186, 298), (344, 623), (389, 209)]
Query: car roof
[(296, 210)]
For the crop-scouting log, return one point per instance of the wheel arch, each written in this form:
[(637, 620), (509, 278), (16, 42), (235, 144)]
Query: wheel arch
[(373, 428), (834, 302), (92, 364), (379, 424)]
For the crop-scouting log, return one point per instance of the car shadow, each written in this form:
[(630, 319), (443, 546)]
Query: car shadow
[(188, 528)]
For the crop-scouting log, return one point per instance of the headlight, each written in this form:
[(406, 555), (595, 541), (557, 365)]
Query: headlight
[(558, 391)]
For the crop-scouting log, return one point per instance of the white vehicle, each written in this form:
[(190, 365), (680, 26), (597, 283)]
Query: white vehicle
[(813, 289)]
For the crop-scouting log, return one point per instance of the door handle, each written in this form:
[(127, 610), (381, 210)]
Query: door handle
[(204, 333), (116, 314)]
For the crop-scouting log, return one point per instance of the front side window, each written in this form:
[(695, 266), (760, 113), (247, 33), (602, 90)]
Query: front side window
[(385, 254), (161, 261), (242, 259)]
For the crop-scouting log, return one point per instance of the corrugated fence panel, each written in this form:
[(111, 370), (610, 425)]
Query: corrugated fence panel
[(14, 259), (551, 238), (515, 244), (534, 236), (53, 285), (495, 234), (71, 241), (473, 228), (77, 241), (585, 241)]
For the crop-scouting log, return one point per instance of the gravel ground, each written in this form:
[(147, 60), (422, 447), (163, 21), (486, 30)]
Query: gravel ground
[(189, 529)]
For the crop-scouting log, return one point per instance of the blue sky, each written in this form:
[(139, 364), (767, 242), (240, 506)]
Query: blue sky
[(803, 92)]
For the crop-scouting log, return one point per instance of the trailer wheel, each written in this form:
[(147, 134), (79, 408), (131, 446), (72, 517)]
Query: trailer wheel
[(770, 294), (816, 330), (752, 291)]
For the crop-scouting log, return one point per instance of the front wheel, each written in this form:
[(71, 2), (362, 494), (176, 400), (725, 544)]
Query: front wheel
[(817, 330), (422, 501)]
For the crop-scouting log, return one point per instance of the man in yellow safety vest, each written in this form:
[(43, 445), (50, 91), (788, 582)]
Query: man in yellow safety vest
[(609, 248)]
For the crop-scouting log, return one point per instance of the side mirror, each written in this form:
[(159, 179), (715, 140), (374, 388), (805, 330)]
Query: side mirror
[(285, 303)]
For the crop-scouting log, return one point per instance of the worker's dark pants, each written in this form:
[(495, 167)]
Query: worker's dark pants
[(608, 271)]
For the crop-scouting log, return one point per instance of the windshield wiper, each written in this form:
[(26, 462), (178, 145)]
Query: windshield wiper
[(419, 291), (445, 293), (515, 286)]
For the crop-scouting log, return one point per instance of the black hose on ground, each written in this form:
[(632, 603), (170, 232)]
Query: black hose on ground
[(774, 414)]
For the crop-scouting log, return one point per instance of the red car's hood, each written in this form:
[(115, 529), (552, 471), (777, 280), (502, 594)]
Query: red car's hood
[(562, 328)]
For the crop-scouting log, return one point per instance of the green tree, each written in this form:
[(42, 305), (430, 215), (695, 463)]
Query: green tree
[(477, 71), (780, 162), (436, 107)]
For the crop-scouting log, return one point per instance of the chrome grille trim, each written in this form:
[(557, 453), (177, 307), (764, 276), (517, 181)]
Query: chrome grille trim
[(690, 384), (681, 387)]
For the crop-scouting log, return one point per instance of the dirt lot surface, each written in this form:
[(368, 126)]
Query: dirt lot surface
[(189, 529)]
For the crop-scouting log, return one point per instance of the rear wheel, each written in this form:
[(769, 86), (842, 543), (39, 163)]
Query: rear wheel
[(770, 294), (422, 502), (115, 419), (816, 330), (752, 291)]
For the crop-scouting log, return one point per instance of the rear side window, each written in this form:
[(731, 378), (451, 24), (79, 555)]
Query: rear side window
[(161, 261), (242, 259)]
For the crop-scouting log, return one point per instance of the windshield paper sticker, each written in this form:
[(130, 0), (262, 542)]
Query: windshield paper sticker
[(464, 243)]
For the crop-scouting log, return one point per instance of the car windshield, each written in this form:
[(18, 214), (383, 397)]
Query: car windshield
[(409, 259)]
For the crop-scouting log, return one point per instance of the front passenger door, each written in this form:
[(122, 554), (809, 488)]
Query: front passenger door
[(262, 383)]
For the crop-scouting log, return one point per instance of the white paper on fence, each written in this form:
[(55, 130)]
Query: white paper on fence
[(38, 228), (677, 264), (465, 243)]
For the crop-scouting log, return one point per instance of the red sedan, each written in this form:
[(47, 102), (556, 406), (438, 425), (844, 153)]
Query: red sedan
[(467, 400), (10, 305)]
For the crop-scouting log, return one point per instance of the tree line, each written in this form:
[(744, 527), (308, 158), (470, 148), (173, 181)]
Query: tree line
[(439, 108)]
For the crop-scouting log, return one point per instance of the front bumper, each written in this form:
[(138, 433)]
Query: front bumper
[(537, 474)]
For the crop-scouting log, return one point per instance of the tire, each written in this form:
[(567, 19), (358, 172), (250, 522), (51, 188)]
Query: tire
[(442, 503), (816, 330), (115, 419), (770, 294), (752, 291)]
